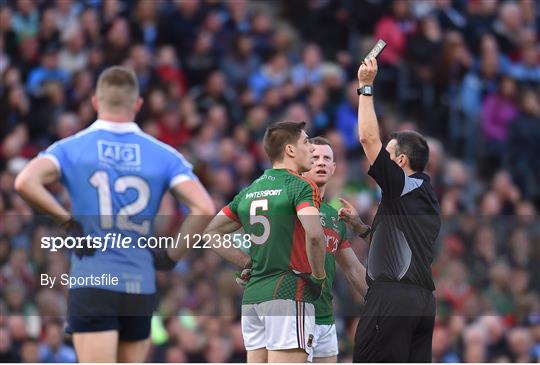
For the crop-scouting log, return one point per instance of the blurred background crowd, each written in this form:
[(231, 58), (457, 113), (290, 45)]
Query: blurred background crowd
[(215, 74)]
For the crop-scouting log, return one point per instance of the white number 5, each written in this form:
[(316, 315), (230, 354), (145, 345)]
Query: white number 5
[(259, 219)]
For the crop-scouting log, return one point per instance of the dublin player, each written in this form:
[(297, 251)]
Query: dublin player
[(338, 249), (281, 212), (116, 176)]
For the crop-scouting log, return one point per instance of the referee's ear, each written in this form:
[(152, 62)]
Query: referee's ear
[(403, 161)]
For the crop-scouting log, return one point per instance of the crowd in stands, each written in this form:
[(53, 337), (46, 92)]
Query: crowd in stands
[(214, 74)]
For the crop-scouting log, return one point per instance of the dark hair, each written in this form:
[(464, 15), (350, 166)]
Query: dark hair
[(413, 145), (320, 141), (280, 134)]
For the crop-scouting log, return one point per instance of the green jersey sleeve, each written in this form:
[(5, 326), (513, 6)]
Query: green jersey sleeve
[(231, 209)]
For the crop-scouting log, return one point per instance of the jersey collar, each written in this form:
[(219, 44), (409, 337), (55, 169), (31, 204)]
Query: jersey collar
[(421, 175), (115, 127)]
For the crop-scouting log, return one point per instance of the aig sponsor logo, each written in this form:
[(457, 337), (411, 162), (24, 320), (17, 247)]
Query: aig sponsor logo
[(123, 156)]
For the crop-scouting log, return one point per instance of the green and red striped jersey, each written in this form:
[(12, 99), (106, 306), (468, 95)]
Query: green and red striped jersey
[(267, 211)]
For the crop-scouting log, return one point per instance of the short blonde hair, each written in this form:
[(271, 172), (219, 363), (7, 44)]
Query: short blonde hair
[(117, 89)]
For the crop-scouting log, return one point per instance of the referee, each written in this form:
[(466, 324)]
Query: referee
[(397, 321)]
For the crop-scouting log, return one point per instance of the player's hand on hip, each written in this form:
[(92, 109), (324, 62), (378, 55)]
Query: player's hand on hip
[(162, 260), (367, 72), (314, 284), (243, 276), (74, 229)]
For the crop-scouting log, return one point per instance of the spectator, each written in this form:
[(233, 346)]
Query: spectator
[(201, 60), (117, 42), (48, 71), (144, 26), (261, 32), (498, 111), (479, 21), (49, 32), (448, 16), (53, 350), (7, 353), (394, 29), (30, 351), (73, 57), (309, 71), (520, 341), (528, 70), (524, 134), (442, 352), (421, 46), (25, 21), (346, 118), (140, 60), (67, 13), (241, 61), (508, 26), (273, 73), (90, 26), (6, 28)]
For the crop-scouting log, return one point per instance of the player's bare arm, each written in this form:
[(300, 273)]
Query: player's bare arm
[(221, 224), (354, 271), (368, 128), (315, 240), (31, 182), (193, 194)]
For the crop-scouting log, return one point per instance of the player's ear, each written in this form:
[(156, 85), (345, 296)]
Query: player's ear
[(95, 103), (138, 104), (289, 150)]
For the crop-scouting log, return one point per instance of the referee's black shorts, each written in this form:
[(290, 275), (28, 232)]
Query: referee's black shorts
[(97, 310), (396, 324)]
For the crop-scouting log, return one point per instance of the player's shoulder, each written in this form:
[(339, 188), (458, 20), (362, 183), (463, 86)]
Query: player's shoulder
[(298, 182), (328, 208), (74, 140)]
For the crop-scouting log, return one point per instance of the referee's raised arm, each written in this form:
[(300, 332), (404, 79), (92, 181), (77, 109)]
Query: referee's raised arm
[(368, 128)]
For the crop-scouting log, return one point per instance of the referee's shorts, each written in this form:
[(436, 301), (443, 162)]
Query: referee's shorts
[(396, 324)]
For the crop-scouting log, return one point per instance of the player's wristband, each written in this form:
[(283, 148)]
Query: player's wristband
[(366, 233), (318, 280)]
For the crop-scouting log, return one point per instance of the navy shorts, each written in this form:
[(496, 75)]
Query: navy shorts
[(97, 310)]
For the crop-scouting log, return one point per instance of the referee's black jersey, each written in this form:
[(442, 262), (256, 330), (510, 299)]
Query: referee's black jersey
[(405, 226)]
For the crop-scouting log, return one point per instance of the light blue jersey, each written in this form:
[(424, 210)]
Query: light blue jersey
[(116, 176)]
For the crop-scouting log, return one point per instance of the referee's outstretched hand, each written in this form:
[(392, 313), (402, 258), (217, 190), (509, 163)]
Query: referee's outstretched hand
[(367, 71)]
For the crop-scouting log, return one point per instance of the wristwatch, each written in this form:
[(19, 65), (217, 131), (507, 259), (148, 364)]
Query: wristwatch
[(365, 90), (366, 233)]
